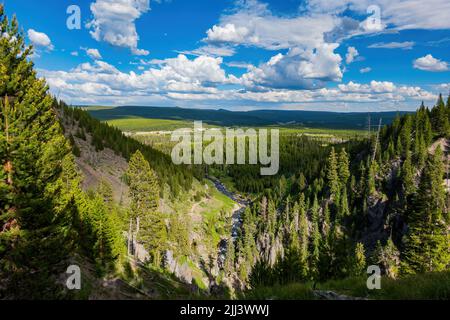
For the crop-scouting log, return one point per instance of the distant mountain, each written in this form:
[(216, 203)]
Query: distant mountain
[(312, 119)]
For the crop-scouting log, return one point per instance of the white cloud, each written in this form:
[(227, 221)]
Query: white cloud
[(40, 39), (74, 53), (299, 74), (253, 24), (360, 94), (179, 81), (310, 61), (429, 63), (93, 53), (352, 53), (443, 86), (213, 51), (400, 14), (373, 87), (180, 74), (407, 45), (140, 52), (228, 33), (114, 22), (298, 69), (239, 65)]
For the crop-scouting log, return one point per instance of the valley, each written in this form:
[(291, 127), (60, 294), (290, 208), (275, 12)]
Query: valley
[(102, 200)]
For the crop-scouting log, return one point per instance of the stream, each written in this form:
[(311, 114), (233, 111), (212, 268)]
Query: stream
[(236, 217)]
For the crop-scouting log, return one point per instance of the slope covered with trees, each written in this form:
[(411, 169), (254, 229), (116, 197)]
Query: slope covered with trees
[(380, 201), (44, 216), (47, 221)]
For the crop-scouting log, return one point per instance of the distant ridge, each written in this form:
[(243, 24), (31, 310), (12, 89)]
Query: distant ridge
[(221, 117)]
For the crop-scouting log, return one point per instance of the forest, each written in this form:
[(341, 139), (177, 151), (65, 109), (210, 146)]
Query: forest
[(335, 207)]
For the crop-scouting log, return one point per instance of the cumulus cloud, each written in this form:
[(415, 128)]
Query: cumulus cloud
[(374, 86), (114, 22), (182, 80), (429, 63), (40, 39), (365, 70), (252, 24), (352, 53), (298, 69), (93, 53), (359, 94), (310, 61), (407, 45), (228, 33), (180, 74)]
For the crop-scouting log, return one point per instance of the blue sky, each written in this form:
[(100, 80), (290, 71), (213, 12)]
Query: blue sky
[(337, 55)]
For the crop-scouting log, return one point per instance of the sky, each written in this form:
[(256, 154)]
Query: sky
[(332, 55)]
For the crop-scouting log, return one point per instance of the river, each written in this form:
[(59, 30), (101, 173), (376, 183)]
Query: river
[(236, 217)]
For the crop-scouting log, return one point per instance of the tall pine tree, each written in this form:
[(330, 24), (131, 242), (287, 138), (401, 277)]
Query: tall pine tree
[(37, 176), (427, 242)]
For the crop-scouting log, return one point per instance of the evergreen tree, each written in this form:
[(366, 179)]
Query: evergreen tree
[(371, 183), (144, 194), (344, 167), (359, 263), (106, 192), (408, 176), (343, 209), (332, 174), (420, 150), (406, 135), (303, 242), (314, 257), (37, 176), (230, 257), (153, 235), (143, 183), (440, 118), (427, 242)]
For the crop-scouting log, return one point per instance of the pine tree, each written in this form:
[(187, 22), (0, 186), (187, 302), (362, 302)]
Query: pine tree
[(153, 235), (371, 183), (106, 192), (230, 257), (420, 150), (343, 209), (143, 183), (440, 118), (427, 130), (303, 240), (37, 176), (391, 259), (314, 256), (359, 263), (427, 242), (406, 135), (332, 174), (144, 193), (408, 176), (344, 167)]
